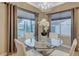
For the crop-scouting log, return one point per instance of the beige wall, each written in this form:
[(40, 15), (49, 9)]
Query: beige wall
[(76, 24), (3, 29)]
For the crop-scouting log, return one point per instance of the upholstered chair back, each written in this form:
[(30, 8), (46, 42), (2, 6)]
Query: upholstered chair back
[(53, 35), (20, 48), (72, 50)]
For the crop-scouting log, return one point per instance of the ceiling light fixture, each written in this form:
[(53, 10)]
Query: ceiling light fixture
[(45, 5)]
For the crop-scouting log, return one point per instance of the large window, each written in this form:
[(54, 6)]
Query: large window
[(25, 22), (25, 25), (62, 27), (61, 23)]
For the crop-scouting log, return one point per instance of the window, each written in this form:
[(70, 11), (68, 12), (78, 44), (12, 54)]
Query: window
[(61, 23), (66, 27), (62, 27), (25, 22), (55, 27), (25, 25)]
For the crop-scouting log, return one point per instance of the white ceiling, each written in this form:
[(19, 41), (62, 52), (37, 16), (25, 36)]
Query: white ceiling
[(50, 4)]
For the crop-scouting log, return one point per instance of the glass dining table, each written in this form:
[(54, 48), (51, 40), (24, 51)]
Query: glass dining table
[(51, 42), (43, 47)]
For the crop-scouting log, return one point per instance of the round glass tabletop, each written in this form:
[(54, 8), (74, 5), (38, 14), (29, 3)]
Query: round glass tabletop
[(51, 42)]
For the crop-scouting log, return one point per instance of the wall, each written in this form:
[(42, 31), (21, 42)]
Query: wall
[(3, 29), (76, 25)]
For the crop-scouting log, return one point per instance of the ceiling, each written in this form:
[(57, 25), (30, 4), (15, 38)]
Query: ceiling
[(45, 6)]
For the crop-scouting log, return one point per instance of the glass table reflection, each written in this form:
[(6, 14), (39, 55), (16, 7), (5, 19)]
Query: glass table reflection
[(51, 42)]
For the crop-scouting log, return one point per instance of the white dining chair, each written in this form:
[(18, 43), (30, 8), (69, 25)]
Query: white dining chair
[(21, 50), (61, 53), (29, 35), (53, 35), (54, 39)]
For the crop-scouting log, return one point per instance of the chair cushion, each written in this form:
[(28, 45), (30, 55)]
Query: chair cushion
[(33, 52), (59, 53)]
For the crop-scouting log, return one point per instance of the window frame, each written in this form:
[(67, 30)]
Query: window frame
[(72, 22), (36, 21)]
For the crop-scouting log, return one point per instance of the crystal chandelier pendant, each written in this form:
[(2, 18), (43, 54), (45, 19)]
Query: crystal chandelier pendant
[(44, 5)]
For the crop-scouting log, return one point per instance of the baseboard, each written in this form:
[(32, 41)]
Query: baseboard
[(3, 54), (66, 46)]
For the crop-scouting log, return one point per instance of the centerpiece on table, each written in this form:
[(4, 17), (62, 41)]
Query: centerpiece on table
[(45, 26)]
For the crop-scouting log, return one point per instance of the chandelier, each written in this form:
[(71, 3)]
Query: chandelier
[(45, 5)]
